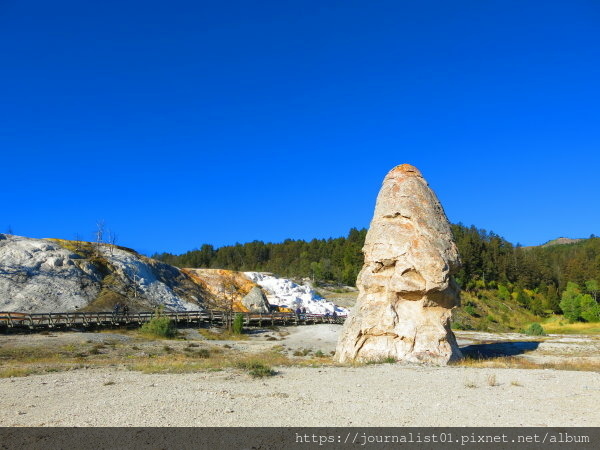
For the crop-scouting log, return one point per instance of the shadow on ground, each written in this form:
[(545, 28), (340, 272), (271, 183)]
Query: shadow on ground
[(498, 349)]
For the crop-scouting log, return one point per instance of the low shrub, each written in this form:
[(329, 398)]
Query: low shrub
[(470, 310), (535, 329), (256, 369), (160, 326), (203, 353)]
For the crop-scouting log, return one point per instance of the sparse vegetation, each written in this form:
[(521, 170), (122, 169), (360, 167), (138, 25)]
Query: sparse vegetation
[(151, 356), (515, 362), (491, 380), (387, 360), (303, 352), (11, 372)]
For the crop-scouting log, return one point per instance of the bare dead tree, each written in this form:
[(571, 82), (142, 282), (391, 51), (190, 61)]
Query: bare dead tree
[(135, 280), (112, 241), (99, 235), (77, 243)]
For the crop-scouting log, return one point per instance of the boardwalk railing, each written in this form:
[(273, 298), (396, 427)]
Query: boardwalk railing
[(212, 317)]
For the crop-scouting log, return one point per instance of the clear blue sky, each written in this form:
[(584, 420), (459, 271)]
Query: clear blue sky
[(185, 122)]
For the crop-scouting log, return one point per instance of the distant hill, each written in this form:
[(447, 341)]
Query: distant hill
[(560, 241)]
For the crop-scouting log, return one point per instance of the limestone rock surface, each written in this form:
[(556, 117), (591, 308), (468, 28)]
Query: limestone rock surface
[(406, 289), (256, 301), (40, 276), (54, 275)]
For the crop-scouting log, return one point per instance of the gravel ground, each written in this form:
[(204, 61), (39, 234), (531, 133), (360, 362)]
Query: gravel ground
[(373, 395), (379, 395)]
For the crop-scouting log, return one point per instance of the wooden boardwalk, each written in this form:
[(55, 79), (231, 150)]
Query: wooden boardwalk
[(40, 321)]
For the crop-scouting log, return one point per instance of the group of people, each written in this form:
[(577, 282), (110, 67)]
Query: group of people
[(301, 313), (334, 315), (122, 309)]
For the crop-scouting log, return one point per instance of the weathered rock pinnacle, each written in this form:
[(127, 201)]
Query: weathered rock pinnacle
[(406, 290)]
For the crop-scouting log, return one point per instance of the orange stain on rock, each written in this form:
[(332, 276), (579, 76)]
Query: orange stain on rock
[(405, 169)]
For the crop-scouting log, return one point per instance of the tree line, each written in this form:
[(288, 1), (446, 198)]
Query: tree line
[(338, 260)]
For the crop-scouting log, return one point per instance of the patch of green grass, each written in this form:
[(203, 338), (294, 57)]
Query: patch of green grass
[(11, 372), (222, 335), (560, 325), (387, 360)]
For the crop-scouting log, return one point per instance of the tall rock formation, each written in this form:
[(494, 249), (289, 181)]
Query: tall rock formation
[(406, 290)]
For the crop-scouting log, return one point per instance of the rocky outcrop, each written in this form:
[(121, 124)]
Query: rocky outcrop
[(227, 289), (406, 289), (256, 301), (52, 275)]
